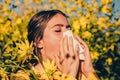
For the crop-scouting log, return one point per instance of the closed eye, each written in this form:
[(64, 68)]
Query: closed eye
[(57, 30)]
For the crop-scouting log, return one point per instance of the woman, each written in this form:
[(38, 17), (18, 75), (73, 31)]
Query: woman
[(45, 30)]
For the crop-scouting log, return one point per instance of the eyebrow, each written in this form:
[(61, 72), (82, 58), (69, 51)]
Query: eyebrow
[(61, 25)]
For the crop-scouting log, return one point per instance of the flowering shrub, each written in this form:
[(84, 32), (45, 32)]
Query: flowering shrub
[(95, 22)]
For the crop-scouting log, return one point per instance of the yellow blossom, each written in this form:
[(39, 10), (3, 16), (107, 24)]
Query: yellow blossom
[(68, 10), (5, 9), (73, 8), (79, 3), (49, 67), (3, 74), (19, 21), (63, 4), (26, 2), (87, 34), (51, 1), (95, 4), (105, 9), (6, 29), (83, 22), (76, 26), (25, 50), (88, 15), (95, 55), (103, 2), (20, 75), (112, 47), (1, 20), (109, 61), (101, 23), (104, 49), (107, 34), (50, 72)]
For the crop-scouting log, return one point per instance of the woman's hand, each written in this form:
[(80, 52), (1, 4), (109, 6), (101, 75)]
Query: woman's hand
[(68, 59), (86, 66)]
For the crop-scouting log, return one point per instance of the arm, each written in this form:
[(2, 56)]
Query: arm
[(85, 67)]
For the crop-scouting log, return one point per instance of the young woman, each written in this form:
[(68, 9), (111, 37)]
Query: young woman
[(45, 30)]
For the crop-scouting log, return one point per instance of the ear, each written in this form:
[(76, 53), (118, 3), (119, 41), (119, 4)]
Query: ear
[(39, 43)]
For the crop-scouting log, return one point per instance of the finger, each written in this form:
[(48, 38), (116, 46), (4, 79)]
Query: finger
[(61, 49), (82, 43), (65, 42), (58, 63), (86, 52), (76, 51), (71, 48)]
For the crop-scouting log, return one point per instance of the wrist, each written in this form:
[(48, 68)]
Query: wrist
[(88, 72)]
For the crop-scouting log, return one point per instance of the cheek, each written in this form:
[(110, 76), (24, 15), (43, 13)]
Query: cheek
[(52, 44)]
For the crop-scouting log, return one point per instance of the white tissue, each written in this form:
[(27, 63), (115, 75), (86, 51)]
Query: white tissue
[(75, 42)]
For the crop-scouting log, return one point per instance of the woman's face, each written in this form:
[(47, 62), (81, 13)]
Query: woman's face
[(52, 36)]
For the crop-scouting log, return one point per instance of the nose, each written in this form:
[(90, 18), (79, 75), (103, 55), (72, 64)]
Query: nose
[(65, 29)]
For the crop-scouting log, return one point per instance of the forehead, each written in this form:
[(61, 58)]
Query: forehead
[(57, 19)]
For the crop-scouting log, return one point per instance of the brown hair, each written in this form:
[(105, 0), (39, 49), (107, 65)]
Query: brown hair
[(37, 25)]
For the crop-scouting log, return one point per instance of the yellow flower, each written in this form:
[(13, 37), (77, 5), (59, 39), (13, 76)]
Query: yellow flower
[(49, 67), (26, 2), (25, 50), (107, 34), (112, 47), (73, 8), (79, 3), (51, 1), (83, 22), (62, 4), (103, 2), (94, 55), (87, 34), (67, 77), (76, 26), (105, 49), (88, 15), (6, 29), (101, 23), (105, 9), (50, 72), (19, 21), (16, 35), (95, 4), (3, 74), (20, 75), (68, 10), (109, 61), (5, 9), (1, 20), (57, 75)]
